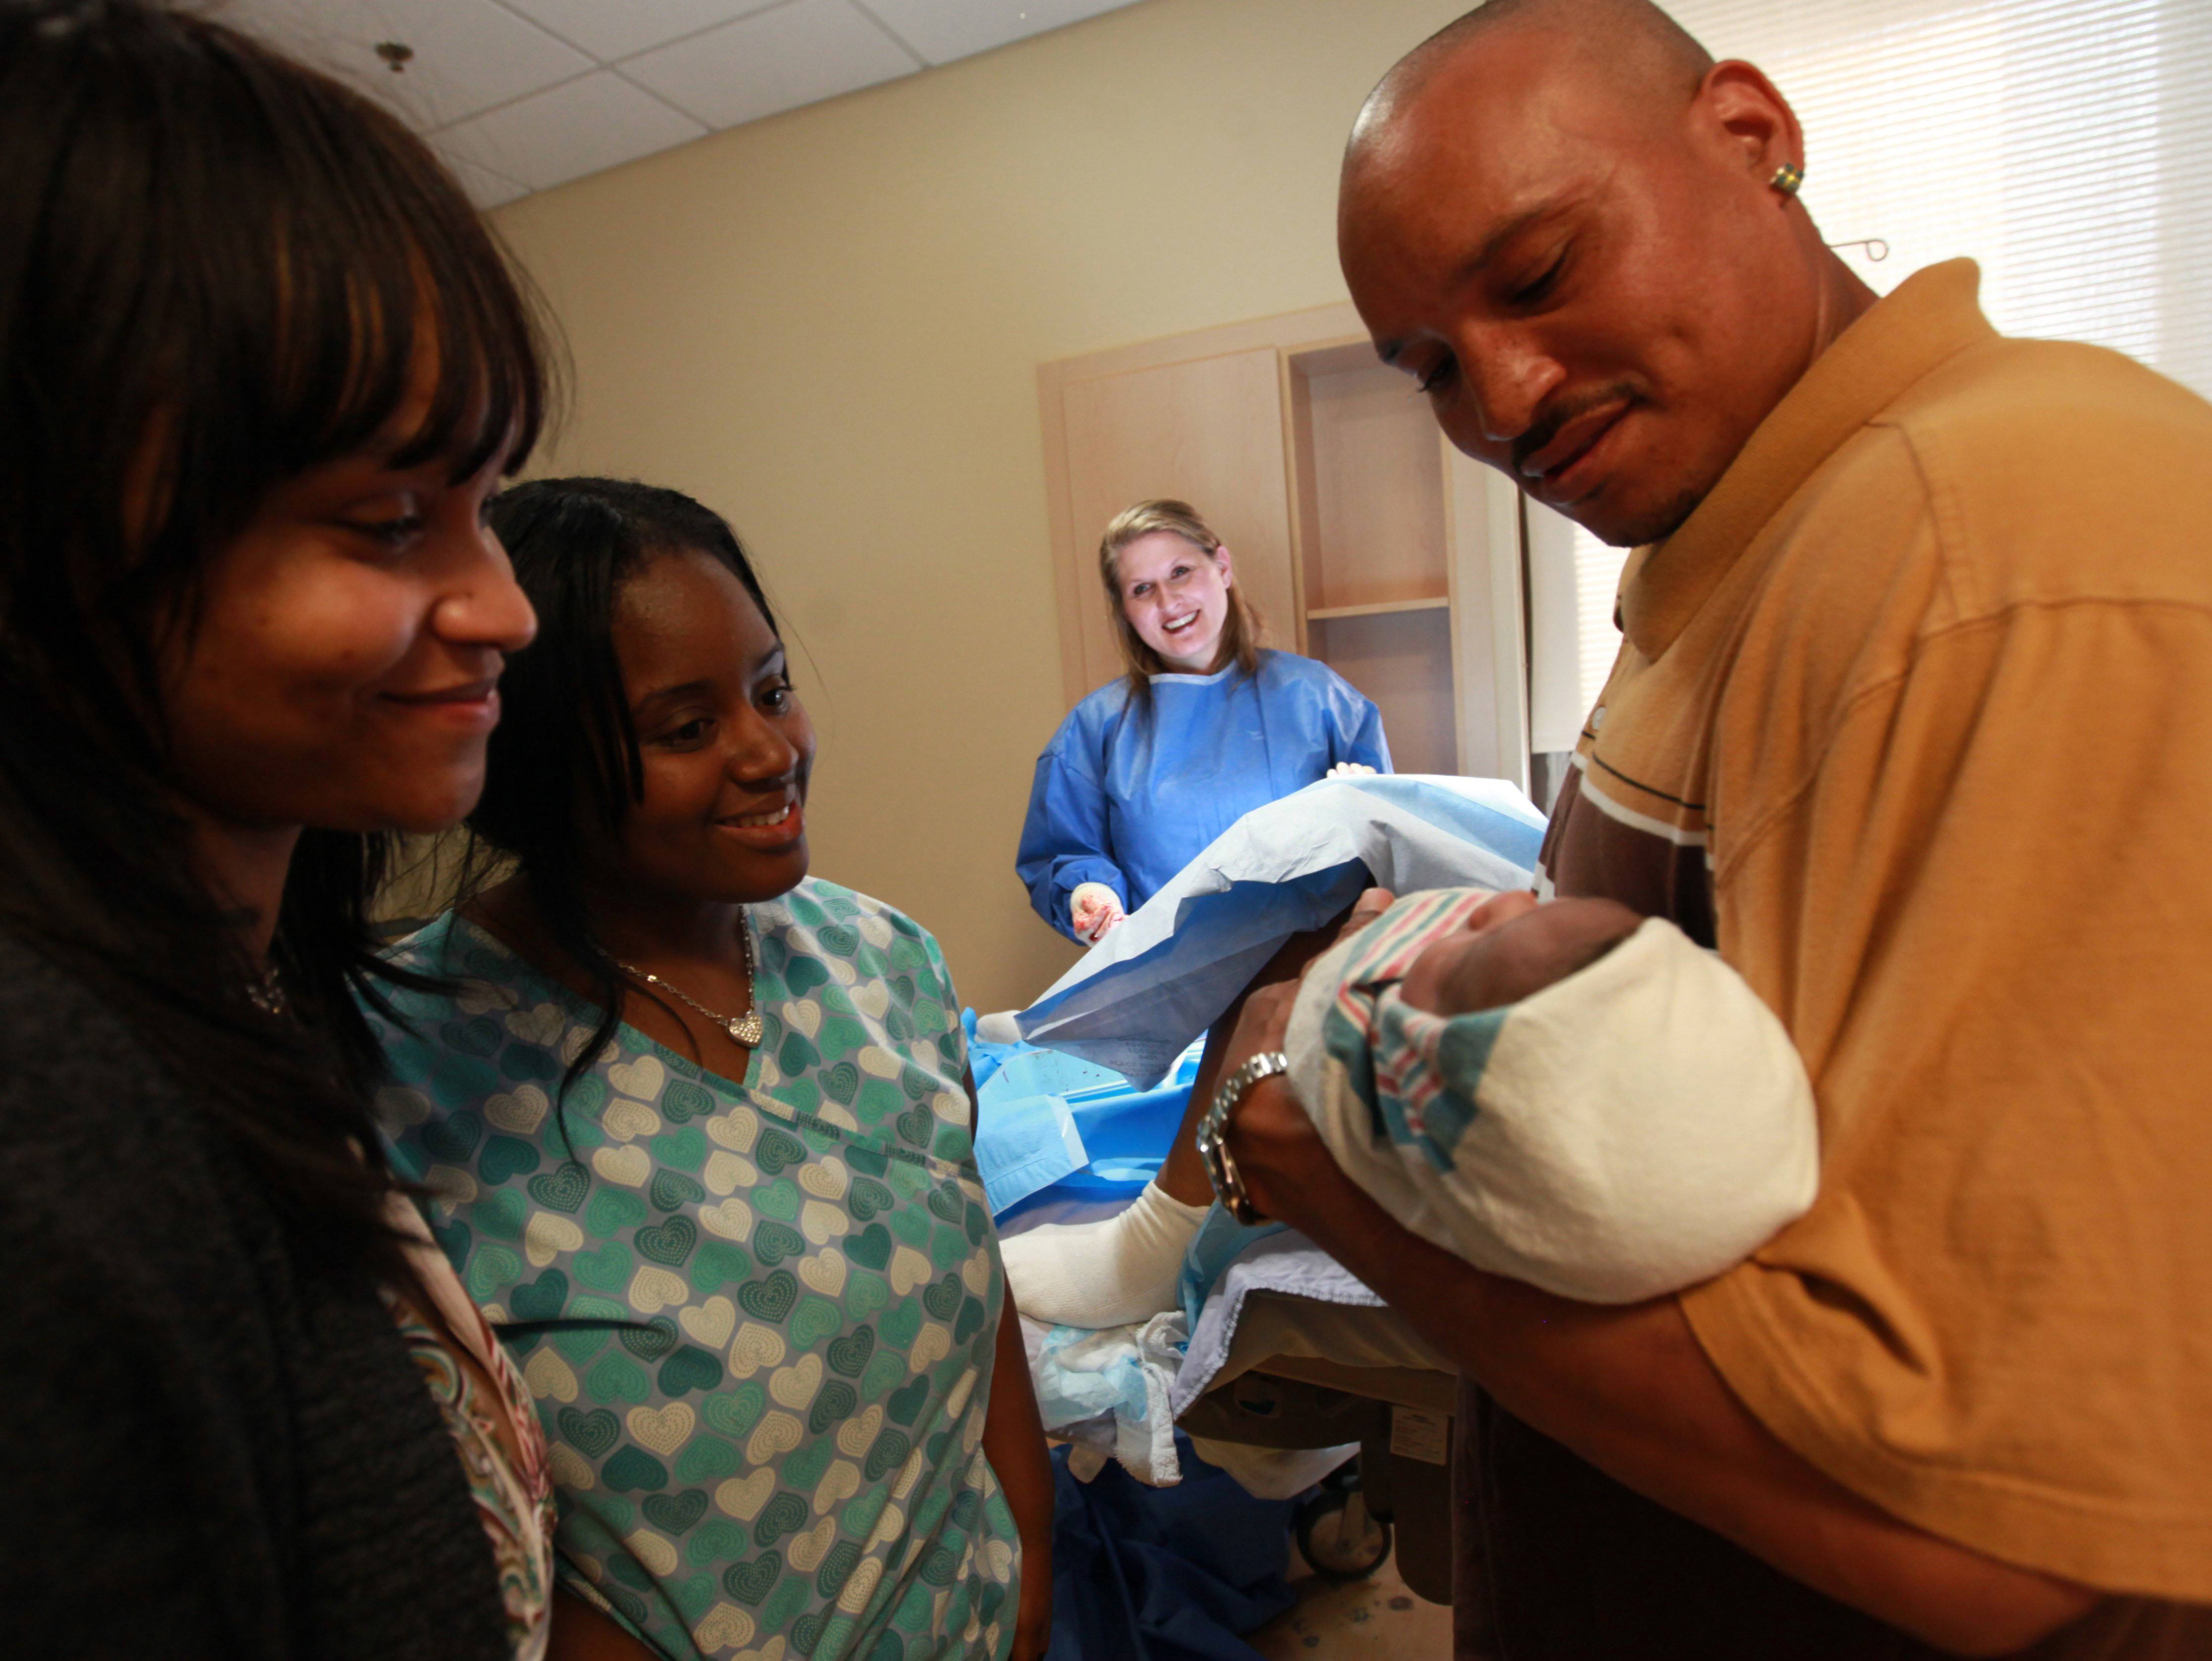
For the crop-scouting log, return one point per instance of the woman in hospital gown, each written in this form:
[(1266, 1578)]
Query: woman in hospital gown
[(1205, 726)]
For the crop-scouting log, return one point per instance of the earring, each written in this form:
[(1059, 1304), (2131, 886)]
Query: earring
[(1787, 178)]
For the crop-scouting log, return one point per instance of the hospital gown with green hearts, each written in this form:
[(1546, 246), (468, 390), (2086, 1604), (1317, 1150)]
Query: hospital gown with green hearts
[(757, 1318)]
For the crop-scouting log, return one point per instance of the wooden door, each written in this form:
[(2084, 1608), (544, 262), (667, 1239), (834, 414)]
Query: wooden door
[(1208, 431)]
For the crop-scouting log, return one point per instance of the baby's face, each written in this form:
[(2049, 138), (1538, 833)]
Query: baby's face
[(1512, 947)]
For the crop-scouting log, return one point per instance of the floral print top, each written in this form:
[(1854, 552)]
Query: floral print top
[(495, 1432)]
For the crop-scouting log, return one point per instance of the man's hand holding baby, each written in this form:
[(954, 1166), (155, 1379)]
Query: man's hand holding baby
[(1289, 1173), (1510, 947), (1561, 1093)]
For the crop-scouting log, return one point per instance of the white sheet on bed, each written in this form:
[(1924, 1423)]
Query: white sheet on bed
[(1287, 1262)]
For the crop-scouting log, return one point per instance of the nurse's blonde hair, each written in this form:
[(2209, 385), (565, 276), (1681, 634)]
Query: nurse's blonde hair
[(1240, 629)]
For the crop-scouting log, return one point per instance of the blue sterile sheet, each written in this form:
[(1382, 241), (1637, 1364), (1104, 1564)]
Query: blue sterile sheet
[(1163, 1574), (1157, 982), (1024, 1144), (1052, 1122), (1026, 1137)]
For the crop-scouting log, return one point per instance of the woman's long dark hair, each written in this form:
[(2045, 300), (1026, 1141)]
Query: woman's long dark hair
[(216, 268), (565, 745)]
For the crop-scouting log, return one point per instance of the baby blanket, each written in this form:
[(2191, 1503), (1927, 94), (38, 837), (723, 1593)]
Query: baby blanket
[(1631, 1129)]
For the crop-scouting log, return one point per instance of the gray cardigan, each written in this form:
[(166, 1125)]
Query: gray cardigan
[(209, 1450)]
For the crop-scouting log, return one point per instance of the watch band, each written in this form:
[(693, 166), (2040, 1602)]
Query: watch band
[(1220, 1165)]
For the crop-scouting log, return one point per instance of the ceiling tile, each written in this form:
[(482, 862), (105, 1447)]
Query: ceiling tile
[(486, 189), (942, 30), (469, 54), (796, 54), (577, 128), (609, 29)]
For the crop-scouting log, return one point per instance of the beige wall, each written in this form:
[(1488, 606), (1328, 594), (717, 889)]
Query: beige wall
[(828, 326)]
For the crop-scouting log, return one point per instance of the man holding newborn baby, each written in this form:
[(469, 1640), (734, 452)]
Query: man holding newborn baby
[(1912, 722)]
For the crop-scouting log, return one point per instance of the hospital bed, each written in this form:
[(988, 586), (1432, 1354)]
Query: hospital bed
[(1288, 1351), (1296, 1371), (1303, 1374)]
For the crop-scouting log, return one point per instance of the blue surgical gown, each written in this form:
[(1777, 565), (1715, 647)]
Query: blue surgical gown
[(1129, 800)]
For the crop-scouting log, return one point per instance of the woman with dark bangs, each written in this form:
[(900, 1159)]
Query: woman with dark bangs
[(700, 1125), (260, 367)]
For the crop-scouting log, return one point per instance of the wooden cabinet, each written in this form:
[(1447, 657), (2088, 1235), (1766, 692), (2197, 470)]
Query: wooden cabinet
[(1363, 537), (1210, 423)]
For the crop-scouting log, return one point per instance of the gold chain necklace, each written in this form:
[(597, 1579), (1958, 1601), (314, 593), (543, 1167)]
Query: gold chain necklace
[(745, 1029)]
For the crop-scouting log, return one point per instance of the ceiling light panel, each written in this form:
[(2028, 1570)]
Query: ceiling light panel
[(468, 55), (612, 29), (797, 53), (942, 30)]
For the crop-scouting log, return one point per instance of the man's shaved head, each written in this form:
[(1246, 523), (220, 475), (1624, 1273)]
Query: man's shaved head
[(1557, 214), (1647, 52)]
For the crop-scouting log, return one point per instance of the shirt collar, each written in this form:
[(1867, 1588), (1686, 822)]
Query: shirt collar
[(1931, 315), (1192, 678)]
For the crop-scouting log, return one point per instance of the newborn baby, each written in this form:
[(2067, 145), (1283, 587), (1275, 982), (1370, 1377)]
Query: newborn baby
[(1620, 1118)]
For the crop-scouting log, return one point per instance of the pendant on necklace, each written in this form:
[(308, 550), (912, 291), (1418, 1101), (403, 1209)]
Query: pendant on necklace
[(746, 1028)]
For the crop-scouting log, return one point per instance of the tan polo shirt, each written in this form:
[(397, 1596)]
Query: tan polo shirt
[(1913, 720)]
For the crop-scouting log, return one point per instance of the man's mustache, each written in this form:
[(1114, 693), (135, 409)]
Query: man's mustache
[(1568, 407)]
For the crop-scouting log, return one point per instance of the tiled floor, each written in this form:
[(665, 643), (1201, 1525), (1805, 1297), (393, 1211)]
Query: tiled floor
[(1338, 1620)]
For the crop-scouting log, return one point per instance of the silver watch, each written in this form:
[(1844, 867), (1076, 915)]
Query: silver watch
[(1221, 1168)]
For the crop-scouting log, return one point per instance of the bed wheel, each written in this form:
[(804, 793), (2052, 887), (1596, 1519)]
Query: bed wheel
[(1336, 1532)]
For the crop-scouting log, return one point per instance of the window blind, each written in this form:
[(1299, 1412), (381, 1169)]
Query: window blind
[(2065, 144)]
